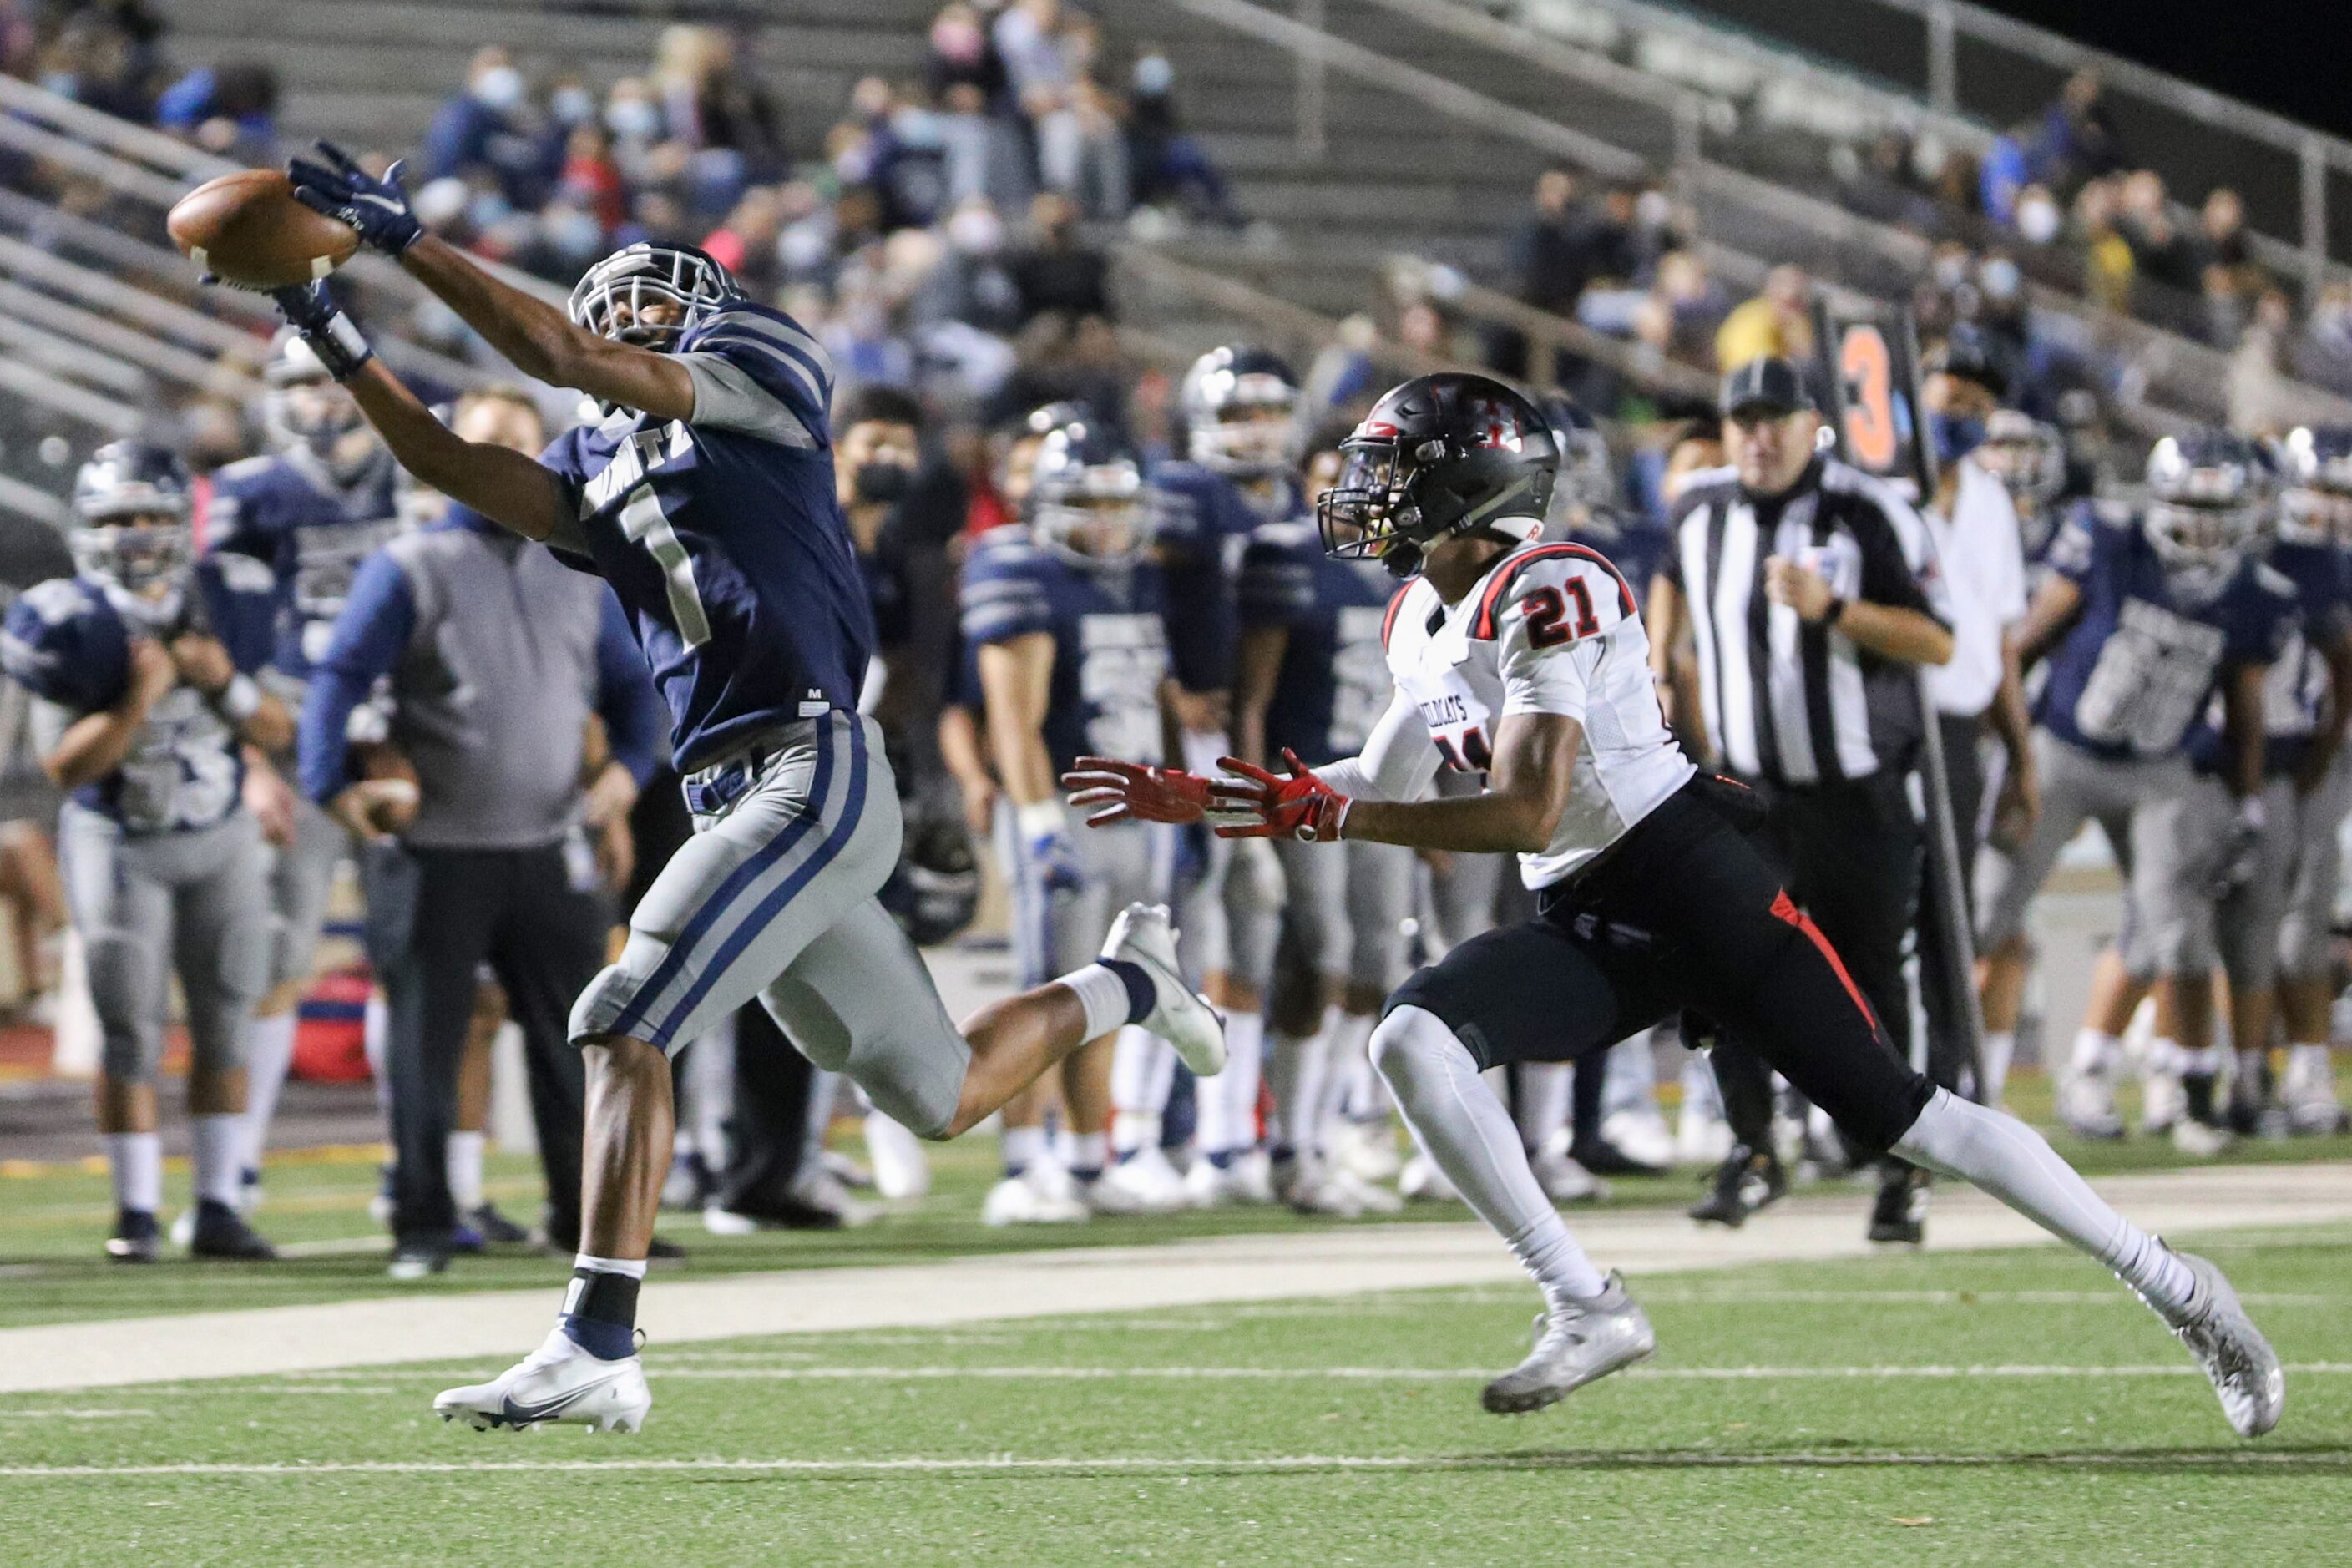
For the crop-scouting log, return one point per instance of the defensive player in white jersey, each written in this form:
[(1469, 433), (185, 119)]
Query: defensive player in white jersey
[(1529, 662)]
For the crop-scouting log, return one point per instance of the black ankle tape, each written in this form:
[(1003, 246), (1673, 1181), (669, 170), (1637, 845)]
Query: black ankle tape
[(603, 1297)]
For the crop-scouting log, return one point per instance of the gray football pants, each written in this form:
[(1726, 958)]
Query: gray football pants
[(2131, 801), (773, 896), (1347, 907), (148, 906), (301, 879)]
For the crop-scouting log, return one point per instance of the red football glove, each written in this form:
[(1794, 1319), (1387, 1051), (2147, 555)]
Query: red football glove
[(1112, 790), (1300, 806)]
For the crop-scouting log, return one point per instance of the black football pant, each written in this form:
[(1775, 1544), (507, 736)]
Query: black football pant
[(1850, 853), (434, 918), (1682, 915), (768, 1139)]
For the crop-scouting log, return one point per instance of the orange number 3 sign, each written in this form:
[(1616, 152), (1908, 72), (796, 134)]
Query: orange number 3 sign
[(1868, 372)]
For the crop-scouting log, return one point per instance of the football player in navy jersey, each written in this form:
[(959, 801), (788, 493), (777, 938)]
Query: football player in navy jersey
[(706, 497), (1240, 409), (2303, 798), (2316, 510), (147, 713), (1311, 679), (1064, 615), (2147, 615), (310, 511)]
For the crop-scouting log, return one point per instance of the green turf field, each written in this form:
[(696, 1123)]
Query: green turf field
[(2010, 1407)]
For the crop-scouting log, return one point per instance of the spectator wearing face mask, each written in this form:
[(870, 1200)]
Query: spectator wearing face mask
[(1170, 167), (467, 131)]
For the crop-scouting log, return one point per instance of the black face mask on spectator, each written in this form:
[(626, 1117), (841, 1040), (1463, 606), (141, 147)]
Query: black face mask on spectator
[(882, 483)]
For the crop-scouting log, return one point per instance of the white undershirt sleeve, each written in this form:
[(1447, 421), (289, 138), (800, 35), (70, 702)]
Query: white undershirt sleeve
[(1398, 761)]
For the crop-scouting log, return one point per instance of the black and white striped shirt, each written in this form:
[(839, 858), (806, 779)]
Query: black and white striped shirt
[(1786, 702)]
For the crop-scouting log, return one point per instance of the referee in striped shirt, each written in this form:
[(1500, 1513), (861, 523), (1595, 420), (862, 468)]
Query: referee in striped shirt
[(1811, 596)]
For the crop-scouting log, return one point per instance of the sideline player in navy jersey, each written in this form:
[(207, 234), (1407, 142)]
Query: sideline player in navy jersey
[(1311, 681), (1241, 410), (2303, 730), (1650, 897), (143, 667), (310, 511), (1065, 616), (706, 497), (2149, 614), (2316, 504)]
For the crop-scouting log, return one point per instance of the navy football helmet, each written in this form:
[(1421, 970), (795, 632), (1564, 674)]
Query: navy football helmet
[(304, 408), (1584, 480), (2315, 484), (1086, 494), (131, 508), (2208, 499), (934, 892), (1243, 413), (1439, 455)]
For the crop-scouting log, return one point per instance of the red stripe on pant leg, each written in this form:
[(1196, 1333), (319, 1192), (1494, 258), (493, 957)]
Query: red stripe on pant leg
[(1785, 908)]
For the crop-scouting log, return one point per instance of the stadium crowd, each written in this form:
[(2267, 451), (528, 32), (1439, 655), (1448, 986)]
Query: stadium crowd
[(1071, 552)]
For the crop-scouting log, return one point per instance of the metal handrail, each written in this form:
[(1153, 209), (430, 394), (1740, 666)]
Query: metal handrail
[(2151, 345), (76, 361), (107, 413), (152, 353), (33, 264), (122, 249), (32, 502), (1564, 335), (1264, 312)]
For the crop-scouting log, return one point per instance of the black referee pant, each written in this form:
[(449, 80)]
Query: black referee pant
[(434, 918), (1950, 1056), (1849, 852)]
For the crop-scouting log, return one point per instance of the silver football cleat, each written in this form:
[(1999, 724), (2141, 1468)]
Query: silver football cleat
[(1574, 1346), (2244, 1369)]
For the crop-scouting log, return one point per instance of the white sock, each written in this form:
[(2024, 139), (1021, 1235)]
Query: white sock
[(2307, 1058), (630, 1267), (219, 1155), (135, 1161), (2166, 1058), (1351, 1039), (1295, 1072), (1084, 1154), (2095, 1050), (268, 1053), (710, 1080), (2205, 1061), (1020, 1148), (2011, 1161), (1104, 995), (1228, 1105), (1142, 1071), (1993, 1055), (1543, 1111), (1464, 1129), (466, 1170), (376, 1044)]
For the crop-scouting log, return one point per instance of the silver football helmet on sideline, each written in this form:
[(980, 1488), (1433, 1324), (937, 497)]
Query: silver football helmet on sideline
[(130, 509), (305, 409), (2315, 484), (1241, 410), (1086, 495), (2208, 502)]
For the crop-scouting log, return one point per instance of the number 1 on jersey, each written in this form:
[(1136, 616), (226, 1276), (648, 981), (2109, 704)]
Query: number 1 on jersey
[(642, 521)]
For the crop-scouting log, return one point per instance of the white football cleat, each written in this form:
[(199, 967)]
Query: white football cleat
[(1422, 1183), (1640, 1135), (2086, 1104), (1241, 1180), (1368, 1148), (184, 1228), (1702, 1137), (1565, 1180), (559, 1383), (1026, 1199), (2200, 1140), (1142, 936), (2308, 1094), (2163, 1105), (900, 1167), (1142, 1184)]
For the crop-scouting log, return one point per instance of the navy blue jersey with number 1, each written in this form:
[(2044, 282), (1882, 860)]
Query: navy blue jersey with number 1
[(722, 539)]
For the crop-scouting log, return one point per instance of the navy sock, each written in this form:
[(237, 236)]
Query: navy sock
[(1141, 995), (600, 1313)]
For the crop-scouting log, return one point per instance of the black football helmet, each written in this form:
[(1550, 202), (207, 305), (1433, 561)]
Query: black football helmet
[(934, 892), (1439, 455), (131, 508)]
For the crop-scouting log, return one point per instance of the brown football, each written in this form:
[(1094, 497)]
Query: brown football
[(247, 229)]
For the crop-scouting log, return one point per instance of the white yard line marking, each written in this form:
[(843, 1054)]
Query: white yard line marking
[(71, 1415), (1170, 1277), (1548, 1460)]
